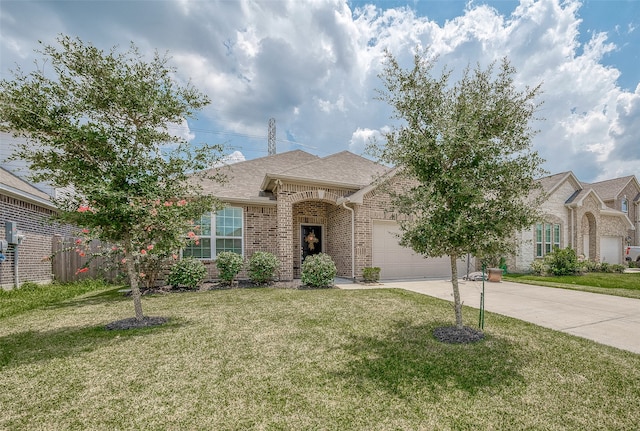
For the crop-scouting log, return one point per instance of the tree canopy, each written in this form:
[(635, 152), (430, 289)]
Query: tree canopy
[(104, 125), (466, 149)]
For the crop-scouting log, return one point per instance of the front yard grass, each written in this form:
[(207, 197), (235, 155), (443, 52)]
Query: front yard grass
[(627, 285), (284, 359)]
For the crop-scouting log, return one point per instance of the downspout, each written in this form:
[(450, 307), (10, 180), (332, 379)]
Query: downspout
[(353, 240)]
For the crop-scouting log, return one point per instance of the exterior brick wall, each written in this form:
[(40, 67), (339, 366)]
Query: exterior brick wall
[(38, 233), (629, 193)]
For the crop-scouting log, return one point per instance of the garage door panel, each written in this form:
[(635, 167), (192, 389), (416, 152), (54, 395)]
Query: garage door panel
[(396, 261), (610, 249)]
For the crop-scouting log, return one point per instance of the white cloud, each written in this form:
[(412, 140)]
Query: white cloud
[(314, 66)]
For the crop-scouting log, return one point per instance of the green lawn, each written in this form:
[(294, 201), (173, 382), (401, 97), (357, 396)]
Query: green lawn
[(627, 285), (280, 359)]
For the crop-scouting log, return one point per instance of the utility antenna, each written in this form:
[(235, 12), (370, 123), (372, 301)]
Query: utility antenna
[(272, 136)]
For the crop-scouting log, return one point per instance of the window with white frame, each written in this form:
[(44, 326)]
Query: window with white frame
[(218, 232), (547, 238), (624, 206)]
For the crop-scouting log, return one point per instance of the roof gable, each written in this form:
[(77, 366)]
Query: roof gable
[(243, 179), (344, 168), (611, 189), (551, 183)]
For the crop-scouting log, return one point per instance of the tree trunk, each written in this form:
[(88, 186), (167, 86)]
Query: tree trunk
[(457, 305), (133, 282)]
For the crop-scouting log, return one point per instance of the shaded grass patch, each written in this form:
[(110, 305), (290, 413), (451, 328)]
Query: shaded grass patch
[(304, 359)]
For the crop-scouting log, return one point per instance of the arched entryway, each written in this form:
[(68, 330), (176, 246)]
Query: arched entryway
[(314, 223)]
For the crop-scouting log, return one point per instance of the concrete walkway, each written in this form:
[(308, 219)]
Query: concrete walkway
[(606, 319)]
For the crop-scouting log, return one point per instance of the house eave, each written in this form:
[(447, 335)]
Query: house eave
[(258, 201), (269, 182), (19, 194)]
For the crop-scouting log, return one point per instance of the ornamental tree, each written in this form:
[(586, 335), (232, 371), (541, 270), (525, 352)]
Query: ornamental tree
[(466, 149), (103, 125)]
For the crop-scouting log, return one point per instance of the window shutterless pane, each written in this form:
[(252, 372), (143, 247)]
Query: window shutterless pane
[(547, 233), (538, 250), (227, 244)]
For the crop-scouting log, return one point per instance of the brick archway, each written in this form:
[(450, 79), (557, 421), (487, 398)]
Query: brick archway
[(287, 227)]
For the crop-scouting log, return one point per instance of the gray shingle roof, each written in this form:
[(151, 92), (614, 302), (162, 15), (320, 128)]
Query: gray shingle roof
[(13, 184), (340, 168), (245, 180), (610, 189)]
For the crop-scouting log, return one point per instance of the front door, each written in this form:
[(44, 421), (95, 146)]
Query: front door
[(311, 236)]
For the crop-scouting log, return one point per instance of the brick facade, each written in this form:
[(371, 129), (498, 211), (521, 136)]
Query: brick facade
[(33, 222), (583, 220)]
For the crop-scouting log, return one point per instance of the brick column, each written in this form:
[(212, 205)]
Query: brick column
[(284, 240)]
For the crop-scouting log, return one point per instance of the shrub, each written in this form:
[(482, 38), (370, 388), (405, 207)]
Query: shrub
[(617, 268), (590, 266), (229, 264), (318, 270), (188, 272), (262, 267), (563, 261), (371, 274), (539, 267)]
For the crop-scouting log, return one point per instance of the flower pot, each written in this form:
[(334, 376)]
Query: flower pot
[(494, 274)]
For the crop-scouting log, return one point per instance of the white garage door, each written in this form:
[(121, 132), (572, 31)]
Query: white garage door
[(610, 249), (398, 262)]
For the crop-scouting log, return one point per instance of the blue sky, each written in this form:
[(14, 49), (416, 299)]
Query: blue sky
[(313, 65)]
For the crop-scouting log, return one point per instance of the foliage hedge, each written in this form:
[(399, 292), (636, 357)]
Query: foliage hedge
[(229, 264), (262, 267), (318, 270), (187, 272)]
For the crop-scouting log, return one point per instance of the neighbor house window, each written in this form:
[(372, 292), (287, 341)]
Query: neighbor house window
[(625, 206), (218, 232), (547, 238)]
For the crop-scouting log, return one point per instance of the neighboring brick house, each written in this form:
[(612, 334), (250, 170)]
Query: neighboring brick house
[(30, 208), (597, 220), (294, 204)]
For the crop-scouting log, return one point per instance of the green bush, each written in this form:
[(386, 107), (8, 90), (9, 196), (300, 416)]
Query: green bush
[(262, 267), (229, 264), (188, 272), (371, 274), (563, 261), (539, 267), (318, 270), (590, 266), (617, 268)]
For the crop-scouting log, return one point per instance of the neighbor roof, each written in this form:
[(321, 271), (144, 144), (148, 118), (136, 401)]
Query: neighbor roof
[(15, 186), (611, 189)]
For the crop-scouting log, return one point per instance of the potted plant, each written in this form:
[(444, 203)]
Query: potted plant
[(495, 267)]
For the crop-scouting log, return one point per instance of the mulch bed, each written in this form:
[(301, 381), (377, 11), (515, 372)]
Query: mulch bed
[(132, 323), (455, 335)]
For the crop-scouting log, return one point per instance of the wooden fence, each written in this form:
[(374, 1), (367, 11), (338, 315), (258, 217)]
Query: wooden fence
[(68, 261)]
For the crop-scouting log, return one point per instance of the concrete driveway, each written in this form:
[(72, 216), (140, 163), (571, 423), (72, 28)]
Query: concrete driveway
[(606, 319)]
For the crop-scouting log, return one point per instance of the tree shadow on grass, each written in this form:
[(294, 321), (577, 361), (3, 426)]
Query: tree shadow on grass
[(408, 358), (111, 295), (35, 346)]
